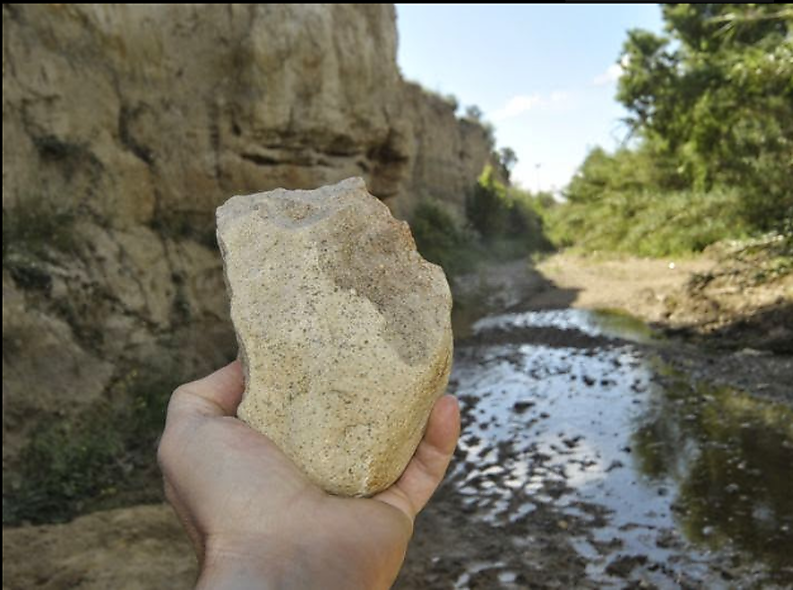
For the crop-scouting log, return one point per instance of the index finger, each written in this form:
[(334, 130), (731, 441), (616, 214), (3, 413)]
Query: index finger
[(217, 394)]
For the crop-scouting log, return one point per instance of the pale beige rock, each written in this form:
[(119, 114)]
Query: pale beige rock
[(344, 330), (139, 120)]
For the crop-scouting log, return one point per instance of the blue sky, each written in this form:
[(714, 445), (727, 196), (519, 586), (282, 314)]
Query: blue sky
[(544, 75)]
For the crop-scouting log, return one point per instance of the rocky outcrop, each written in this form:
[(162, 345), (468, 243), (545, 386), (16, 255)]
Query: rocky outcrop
[(124, 127)]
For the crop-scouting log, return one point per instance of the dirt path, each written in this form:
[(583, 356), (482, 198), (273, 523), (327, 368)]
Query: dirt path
[(640, 286)]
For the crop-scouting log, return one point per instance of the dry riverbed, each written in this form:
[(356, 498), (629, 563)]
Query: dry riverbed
[(597, 451), (602, 451)]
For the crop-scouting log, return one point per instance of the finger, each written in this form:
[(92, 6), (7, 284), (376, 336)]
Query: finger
[(217, 394), (425, 471)]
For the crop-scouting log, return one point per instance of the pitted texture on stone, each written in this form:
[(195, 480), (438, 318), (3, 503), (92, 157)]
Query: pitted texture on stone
[(344, 330)]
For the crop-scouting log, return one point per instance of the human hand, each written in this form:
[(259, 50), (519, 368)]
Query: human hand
[(257, 522)]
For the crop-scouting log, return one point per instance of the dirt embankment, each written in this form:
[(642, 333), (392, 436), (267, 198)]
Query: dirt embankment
[(726, 300), (728, 316), (131, 124), (640, 286)]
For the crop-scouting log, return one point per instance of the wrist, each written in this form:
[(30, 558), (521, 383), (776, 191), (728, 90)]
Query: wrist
[(273, 564), (238, 572)]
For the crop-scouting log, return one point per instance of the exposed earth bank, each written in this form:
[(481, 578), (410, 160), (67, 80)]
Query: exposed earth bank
[(732, 312)]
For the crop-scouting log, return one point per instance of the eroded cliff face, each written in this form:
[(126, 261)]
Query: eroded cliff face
[(124, 127)]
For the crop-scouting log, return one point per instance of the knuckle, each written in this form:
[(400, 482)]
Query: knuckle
[(180, 393)]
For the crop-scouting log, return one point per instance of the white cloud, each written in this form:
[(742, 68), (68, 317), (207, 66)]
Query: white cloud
[(612, 74), (558, 96), (536, 172), (517, 105)]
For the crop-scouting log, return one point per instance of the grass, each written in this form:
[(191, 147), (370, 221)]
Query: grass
[(98, 461), (771, 254), (32, 232), (36, 226), (648, 224)]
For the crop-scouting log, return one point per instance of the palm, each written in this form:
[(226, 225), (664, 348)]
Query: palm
[(232, 486)]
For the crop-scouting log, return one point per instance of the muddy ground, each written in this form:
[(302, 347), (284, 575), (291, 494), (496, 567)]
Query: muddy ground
[(600, 452), (724, 321), (596, 451)]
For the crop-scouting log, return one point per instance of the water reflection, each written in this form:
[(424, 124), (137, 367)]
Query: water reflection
[(732, 458), (604, 322), (654, 480)]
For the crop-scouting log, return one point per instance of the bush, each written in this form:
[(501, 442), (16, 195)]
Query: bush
[(502, 224), (500, 213), (107, 454), (637, 201), (488, 208), (649, 223), (440, 239)]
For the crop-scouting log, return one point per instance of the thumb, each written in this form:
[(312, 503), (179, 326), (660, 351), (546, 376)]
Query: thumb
[(425, 471)]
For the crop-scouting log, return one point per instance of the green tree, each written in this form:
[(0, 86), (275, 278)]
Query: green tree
[(507, 158), (487, 208), (474, 113), (715, 97)]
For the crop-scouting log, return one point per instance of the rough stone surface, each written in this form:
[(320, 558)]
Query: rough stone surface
[(135, 122), (345, 331)]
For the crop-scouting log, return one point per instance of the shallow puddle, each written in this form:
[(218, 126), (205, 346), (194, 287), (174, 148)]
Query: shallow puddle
[(655, 480)]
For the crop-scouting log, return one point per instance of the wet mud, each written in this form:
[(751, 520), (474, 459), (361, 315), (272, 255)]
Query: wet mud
[(588, 461)]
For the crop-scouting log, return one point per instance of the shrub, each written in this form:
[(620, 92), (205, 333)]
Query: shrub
[(440, 239), (67, 468), (498, 213), (502, 224), (649, 223)]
